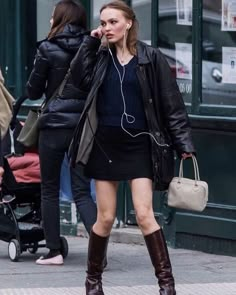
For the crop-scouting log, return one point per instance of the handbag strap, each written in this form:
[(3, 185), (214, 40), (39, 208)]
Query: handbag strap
[(195, 167), (58, 91), (63, 83)]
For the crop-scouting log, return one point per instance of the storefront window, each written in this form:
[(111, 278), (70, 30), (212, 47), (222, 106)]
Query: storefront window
[(219, 52), (96, 6), (143, 13), (175, 41), (44, 13)]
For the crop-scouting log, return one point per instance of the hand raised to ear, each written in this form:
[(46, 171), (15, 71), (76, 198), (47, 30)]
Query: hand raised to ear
[(97, 33), (186, 155), (1, 174)]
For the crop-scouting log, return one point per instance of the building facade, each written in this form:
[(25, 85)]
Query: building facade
[(198, 39)]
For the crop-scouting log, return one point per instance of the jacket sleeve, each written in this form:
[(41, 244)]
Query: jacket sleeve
[(173, 108), (38, 78), (83, 64)]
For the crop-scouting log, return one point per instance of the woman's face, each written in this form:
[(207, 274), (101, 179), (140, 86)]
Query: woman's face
[(114, 24), (51, 20)]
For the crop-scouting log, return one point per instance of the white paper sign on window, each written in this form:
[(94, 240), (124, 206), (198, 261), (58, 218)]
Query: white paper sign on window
[(228, 22), (183, 58), (184, 11), (229, 65)]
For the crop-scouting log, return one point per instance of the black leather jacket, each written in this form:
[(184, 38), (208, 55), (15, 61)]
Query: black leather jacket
[(51, 64), (164, 107)]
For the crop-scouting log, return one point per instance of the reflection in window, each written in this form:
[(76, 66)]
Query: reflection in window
[(44, 14), (175, 41), (143, 13), (96, 6), (218, 75)]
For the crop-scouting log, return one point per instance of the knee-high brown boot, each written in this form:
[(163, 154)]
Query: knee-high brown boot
[(158, 252), (97, 250)]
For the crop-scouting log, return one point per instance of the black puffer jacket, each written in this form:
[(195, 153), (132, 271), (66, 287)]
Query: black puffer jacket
[(51, 64)]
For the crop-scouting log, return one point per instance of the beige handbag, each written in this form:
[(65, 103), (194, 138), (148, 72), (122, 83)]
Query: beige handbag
[(6, 108), (29, 133), (189, 194)]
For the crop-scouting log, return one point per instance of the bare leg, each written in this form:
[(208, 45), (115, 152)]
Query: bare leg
[(142, 199), (106, 205)]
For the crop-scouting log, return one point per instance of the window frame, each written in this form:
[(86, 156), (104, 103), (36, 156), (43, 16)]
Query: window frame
[(197, 109)]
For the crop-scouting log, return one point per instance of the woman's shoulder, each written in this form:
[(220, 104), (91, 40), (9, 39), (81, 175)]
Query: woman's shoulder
[(148, 51), (48, 48), (43, 46), (46, 44)]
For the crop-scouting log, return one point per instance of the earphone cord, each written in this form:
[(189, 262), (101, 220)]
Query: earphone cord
[(99, 145), (129, 118)]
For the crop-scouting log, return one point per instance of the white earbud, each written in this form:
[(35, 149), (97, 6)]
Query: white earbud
[(128, 26)]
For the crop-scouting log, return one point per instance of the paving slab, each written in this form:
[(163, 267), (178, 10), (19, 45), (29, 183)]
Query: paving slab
[(129, 272), (193, 289)]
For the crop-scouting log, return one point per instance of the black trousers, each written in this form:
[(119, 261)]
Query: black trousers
[(53, 144)]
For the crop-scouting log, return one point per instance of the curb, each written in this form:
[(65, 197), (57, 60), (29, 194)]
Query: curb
[(125, 235)]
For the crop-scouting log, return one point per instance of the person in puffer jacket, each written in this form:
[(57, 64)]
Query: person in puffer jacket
[(59, 119)]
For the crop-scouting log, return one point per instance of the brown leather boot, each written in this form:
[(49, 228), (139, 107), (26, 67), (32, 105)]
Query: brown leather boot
[(158, 252), (97, 251)]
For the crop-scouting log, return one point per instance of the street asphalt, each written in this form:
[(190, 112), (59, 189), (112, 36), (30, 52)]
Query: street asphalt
[(129, 270)]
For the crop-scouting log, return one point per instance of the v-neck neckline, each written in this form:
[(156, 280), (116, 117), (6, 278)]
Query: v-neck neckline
[(117, 60)]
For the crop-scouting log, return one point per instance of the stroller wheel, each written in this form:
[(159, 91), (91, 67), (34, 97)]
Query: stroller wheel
[(14, 250), (34, 248), (64, 247)]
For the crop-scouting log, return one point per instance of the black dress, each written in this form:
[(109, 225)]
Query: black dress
[(116, 155)]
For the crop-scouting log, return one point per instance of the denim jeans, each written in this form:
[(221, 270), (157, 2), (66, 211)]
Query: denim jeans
[(53, 144)]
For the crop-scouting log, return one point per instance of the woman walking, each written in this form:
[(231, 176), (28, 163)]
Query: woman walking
[(133, 108), (57, 123)]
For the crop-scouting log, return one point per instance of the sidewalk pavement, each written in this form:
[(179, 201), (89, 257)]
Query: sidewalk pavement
[(129, 270)]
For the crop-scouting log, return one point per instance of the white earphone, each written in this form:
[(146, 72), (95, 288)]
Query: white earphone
[(125, 116), (128, 26)]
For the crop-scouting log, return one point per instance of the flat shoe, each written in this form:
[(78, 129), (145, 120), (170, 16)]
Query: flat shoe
[(8, 198), (56, 260)]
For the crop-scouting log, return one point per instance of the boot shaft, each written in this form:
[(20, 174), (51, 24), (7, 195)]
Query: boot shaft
[(159, 255), (97, 251)]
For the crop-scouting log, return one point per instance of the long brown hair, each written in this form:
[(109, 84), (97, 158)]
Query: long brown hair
[(67, 12), (130, 15)]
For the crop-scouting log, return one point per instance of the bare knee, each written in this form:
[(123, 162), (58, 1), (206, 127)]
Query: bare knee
[(145, 218), (105, 222)]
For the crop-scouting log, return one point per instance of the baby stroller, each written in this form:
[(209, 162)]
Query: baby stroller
[(20, 219)]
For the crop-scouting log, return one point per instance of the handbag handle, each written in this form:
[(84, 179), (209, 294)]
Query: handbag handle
[(195, 167)]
